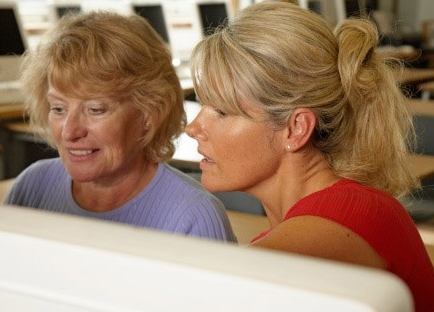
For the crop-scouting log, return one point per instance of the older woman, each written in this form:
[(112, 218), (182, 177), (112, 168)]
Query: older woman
[(102, 90), (312, 123)]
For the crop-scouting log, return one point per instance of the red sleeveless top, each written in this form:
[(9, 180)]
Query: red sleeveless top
[(384, 223)]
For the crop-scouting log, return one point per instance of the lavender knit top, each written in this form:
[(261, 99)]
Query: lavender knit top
[(172, 201)]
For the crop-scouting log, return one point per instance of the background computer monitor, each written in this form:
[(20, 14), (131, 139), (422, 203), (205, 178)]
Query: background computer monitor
[(59, 8), (154, 14), (212, 15), (13, 41), (333, 11), (336, 10), (355, 8), (65, 9)]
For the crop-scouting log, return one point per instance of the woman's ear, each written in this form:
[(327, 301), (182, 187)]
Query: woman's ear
[(148, 122), (300, 128)]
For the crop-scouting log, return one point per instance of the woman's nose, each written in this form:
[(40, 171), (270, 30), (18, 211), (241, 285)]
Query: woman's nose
[(73, 127), (196, 128), (192, 129)]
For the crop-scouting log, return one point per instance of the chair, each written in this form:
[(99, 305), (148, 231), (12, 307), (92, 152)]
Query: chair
[(240, 201), (424, 126), (421, 206), (2, 170), (236, 201)]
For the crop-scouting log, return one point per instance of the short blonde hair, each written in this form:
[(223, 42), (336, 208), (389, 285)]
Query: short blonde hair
[(111, 55), (281, 57)]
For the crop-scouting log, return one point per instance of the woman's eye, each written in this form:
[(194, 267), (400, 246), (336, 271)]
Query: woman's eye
[(56, 109), (96, 111), (221, 113)]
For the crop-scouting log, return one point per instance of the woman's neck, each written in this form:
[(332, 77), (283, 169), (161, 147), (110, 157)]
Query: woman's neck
[(99, 197), (298, 176)]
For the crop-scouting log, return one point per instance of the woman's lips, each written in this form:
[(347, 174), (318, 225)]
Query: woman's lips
[(205, 157)]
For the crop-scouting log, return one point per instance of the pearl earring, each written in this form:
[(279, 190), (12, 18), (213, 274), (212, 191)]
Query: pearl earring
[(288, 147)]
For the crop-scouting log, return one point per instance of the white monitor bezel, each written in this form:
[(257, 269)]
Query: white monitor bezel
[(12, 62), (93, 265)]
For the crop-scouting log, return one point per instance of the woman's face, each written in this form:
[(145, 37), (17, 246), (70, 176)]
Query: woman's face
[(97, 138), (239, 153)]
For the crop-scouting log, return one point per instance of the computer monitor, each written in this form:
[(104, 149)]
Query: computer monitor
[(58, 8), (154, 14), (333, 11), (336, 10), (56, 262), (66, 9), (13, 41), (212, 14), (355, 8)]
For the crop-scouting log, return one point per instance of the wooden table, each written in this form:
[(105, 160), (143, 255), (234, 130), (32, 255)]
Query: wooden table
[(11, 111), (414, 76), (247, 226), (421, 107), (426, 89), (404, 53), (5, 185), (423, 165), (21, 127)]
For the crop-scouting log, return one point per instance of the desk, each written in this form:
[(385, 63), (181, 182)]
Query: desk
[(5, 185), (11, 111), (427, 234), (406, 53), (421, 107), (20, 127), (426, 89), (414, 76), (246, 226), (423, 165)]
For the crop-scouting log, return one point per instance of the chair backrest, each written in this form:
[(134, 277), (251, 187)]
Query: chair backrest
[(425, 131), (236, 201)]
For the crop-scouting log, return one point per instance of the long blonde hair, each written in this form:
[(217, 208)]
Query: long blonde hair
[(281, 57)]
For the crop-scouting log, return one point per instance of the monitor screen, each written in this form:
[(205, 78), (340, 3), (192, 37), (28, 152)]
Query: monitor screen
[(155, 16), (65, 9), (10, 34), (315, 6), (333, 11), (353, 8), (212, 15)]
